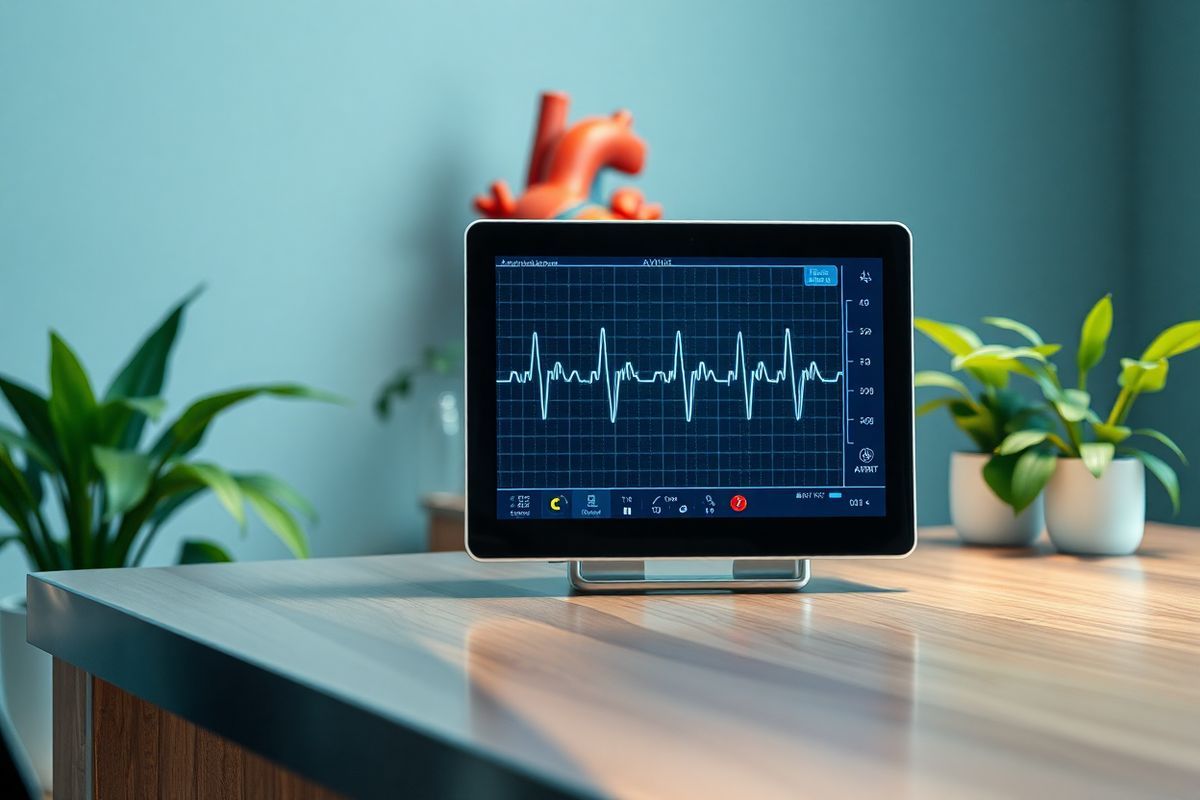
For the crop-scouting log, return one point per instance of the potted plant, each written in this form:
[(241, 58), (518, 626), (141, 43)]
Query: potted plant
[(1094, 479), (985, 506), (82, 455)]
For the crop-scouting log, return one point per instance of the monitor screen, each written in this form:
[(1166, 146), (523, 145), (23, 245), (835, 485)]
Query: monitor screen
[(693, 388)]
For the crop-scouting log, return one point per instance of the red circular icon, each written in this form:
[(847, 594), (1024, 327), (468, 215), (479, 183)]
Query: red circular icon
[(737, 502)]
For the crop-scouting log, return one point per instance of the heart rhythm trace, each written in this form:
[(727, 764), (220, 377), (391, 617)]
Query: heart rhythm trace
[(740, 375)]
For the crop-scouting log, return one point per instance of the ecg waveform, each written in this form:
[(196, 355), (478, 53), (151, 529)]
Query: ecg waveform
[(740, 374)]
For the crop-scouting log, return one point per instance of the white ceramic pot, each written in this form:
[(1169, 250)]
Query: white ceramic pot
[(1103, 516), (982, 518), (26, 674)]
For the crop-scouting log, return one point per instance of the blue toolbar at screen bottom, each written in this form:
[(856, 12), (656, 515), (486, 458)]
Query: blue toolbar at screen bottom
[(838, 501)]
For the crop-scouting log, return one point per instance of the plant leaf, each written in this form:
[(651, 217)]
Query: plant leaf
[(1176, 339), (930, 406), (126, 476), (114, 417), (1093, 336), (199, 551), (998, 473), (72, 408), (187, 432), (1030, 475), (1161, 470), (145, 373), (282, 492), (1028, 333), (1143, 377), (278, 519), (954, 339), (1096, 456), (1074, 405), (32, 449), (222, 484), (1164, 439), (1112, 433), (941, 380), (33, 411), (1021, 440), (15, 498)]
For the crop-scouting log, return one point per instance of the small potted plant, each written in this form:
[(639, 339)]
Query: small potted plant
[(83, 455), (986, 507), (1093, 477)]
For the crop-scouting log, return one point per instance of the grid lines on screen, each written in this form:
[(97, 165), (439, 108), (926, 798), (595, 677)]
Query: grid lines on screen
[(667, 376)]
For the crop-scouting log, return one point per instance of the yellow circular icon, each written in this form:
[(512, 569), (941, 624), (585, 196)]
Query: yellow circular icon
[(556, 504)]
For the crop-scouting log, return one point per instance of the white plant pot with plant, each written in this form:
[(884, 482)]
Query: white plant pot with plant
[(983, 506), (83, 454), (1094, 479)]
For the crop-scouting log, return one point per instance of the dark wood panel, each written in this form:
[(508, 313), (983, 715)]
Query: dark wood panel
[(142, 752), (72, 747)]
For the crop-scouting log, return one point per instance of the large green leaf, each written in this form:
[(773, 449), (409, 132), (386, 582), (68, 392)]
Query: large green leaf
[(954, 339), (187, 432), (932, 379), (1097, 456), (279, 490), (1074, 405), (998, 473), (1143, 377), (114, 418), (1030, 475), (1161, 470), (1162, 438), (1112, 433), (1093, 336), (277, 518), (1175, 340), (144, 375), (33, 411), (72, 408), (222, 484), (33, 450), (929, 406), (127, 477), (16, 501), (1020, 328), (1021, 440), (199, 551)]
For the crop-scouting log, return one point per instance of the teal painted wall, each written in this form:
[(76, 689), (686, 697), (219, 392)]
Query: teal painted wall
[(1166, 262), (312, 164)]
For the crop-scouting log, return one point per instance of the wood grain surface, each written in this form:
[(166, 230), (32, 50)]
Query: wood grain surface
[(955, 671)]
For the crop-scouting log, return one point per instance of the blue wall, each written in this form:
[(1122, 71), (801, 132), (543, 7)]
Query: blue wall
[(1166, 262), (312, 163)]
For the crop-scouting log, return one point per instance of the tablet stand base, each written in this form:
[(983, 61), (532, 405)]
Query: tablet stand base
[(622, 577)]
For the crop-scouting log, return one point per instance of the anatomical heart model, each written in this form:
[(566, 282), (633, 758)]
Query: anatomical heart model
[(565, 166)]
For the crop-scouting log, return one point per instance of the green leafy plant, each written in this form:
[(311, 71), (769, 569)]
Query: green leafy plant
[(434, 361), (994, 411), (83, 453), (1078, 430)]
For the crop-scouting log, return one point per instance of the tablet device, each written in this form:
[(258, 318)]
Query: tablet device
[(642, 390)]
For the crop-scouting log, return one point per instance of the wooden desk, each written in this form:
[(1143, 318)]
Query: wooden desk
[(957, 671)]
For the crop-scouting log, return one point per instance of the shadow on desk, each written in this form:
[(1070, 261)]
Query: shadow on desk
[(489, 588)]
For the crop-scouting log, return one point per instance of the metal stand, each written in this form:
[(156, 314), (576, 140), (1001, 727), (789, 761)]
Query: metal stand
[(619, 577)]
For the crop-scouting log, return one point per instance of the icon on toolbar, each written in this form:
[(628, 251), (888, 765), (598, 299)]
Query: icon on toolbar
[(737, 502), (558, 503), (866, 455)]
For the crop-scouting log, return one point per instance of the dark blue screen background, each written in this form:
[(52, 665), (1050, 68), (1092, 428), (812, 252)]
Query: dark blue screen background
[(621, 382)]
